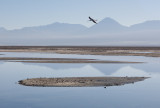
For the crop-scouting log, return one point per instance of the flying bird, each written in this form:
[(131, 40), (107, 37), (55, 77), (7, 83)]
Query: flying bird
[(91, 19)]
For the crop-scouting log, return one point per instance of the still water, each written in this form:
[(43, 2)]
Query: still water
[(143, 94)]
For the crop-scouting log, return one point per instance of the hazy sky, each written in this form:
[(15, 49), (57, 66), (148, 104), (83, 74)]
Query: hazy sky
[(21, 13)]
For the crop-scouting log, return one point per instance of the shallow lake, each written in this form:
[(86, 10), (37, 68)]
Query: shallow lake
[(144, 94)]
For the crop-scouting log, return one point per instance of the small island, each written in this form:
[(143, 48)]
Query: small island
[(80, 81)]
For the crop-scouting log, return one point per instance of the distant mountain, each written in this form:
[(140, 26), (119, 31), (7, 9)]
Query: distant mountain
[(106, 32), (51, 30), (106, 26), (57, 28), (148, 25)]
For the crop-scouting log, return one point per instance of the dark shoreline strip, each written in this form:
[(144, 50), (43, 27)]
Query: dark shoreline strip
[(58, 60), (80, 81), (72, 61)]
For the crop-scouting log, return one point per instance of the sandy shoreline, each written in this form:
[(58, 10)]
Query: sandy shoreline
[(80, 81), (87, 50), (82, 50)]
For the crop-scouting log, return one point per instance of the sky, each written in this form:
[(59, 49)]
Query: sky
[(16, 14)]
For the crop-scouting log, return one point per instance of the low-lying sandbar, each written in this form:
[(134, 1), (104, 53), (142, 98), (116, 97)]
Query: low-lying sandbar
[(59, 60), (80, 81), (88, 50)]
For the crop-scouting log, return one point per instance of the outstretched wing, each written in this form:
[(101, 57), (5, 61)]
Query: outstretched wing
[(91, 19), (94, 21)]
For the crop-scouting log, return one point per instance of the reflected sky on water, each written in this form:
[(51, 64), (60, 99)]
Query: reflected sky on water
[(76, 56)]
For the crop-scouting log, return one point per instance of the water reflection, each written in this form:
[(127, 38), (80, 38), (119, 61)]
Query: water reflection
[(130, 72), (143, 94), (31, 71), (76, 56)]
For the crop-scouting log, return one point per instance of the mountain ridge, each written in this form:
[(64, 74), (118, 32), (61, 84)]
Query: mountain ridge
[(104, 21), (106, 32)]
